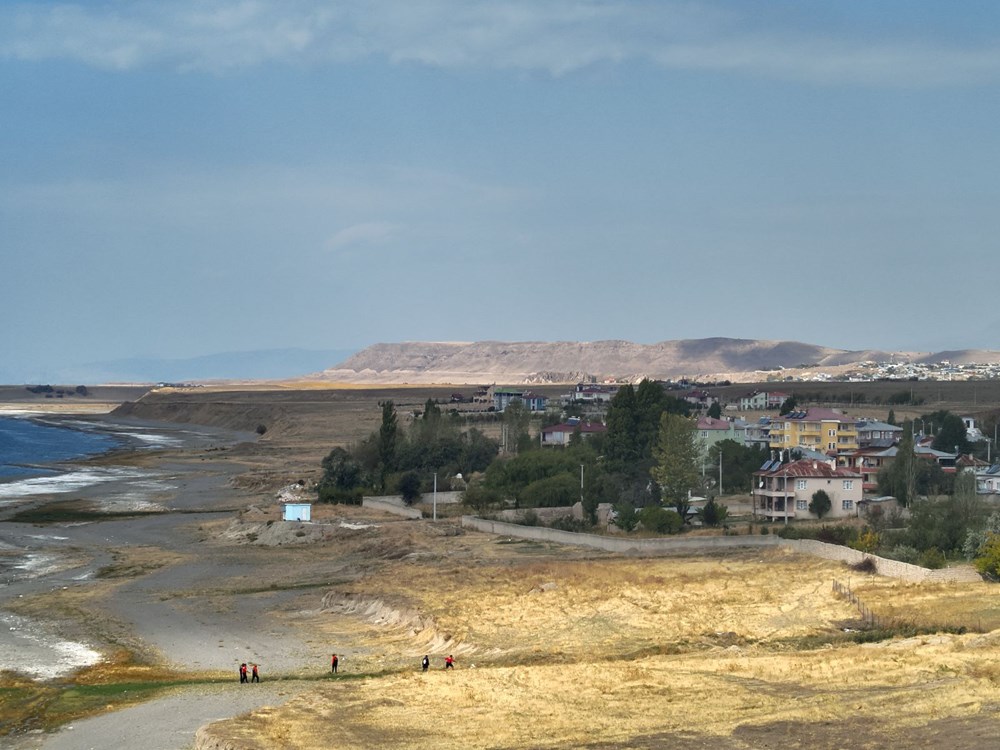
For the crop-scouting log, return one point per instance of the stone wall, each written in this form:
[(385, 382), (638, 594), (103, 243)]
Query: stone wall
[(884, 566)]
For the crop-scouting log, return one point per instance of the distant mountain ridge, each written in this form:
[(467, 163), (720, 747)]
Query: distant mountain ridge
[(265, 364), (572, 361)]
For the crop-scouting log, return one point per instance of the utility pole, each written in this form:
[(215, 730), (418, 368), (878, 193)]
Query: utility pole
[(785, 490), (435, 496)]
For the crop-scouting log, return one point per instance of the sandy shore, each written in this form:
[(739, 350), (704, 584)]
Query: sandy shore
[(150, 581)]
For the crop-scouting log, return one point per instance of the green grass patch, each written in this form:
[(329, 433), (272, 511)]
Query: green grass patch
[(70, 512)]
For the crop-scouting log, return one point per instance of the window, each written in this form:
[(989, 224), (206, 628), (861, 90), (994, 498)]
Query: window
[(831, 433), (800, 484), (801, 505), (848, 484), (847, 504)]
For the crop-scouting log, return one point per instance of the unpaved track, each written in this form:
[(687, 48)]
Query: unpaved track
[(167, 723)]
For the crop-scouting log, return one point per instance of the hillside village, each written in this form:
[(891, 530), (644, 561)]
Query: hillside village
[(809, 449), (875, 371)]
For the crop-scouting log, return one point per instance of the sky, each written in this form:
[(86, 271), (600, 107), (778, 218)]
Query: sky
[(180, 179)]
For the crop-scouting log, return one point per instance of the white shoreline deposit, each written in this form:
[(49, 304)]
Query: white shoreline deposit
[(29, 647)]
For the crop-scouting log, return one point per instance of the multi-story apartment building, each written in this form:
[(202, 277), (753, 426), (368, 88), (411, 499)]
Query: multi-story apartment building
[(823, 430), (783, 491)]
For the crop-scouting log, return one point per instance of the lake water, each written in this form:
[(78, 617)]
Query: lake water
[(27, 445)]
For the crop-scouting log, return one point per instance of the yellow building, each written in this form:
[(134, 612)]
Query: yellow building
[(823, 430)]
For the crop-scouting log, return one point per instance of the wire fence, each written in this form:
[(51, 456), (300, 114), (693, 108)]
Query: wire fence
[(867, 615)]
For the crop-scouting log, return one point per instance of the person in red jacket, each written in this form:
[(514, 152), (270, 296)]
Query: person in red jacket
[(449, 662), (333, 664), (243, 673), (254, 674)]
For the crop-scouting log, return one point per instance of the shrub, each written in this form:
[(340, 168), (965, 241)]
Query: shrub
[(625, 517), (529, 518), (328, 493), (660, 520), (867, 541), (409, 487), (865, 566), (931, 558), (480, 498), (988, 563), (261, 429), (764, 531), (551, 492), (568, 523), (904, 553)]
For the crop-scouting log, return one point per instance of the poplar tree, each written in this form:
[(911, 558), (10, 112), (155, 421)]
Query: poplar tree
[(677, 457)]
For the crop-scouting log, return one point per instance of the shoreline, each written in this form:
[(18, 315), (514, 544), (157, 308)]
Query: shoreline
[(124, 483), (132, 437)]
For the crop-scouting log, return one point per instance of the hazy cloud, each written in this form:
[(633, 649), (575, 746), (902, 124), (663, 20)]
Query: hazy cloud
[(556, 37), (369, 233)]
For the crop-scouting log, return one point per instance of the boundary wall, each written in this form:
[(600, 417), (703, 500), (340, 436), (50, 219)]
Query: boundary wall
[(656, 546), (387, 506), (693, 545)]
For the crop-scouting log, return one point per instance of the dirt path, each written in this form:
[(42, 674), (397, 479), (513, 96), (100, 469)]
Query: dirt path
[(167, 723)]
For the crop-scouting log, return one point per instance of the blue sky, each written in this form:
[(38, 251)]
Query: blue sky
[(185, 178)]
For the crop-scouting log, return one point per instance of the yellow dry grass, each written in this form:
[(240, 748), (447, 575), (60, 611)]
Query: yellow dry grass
[(605, 652)]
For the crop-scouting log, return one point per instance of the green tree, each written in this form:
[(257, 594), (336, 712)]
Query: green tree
[(899, 479), (625, 517), (739, 462), (976, 539), (651, 401), (516, 426), (891, 419), (788, 405), (633, 422), (342, 477), (713, 514), (820, 503), (952, 437), (715, 410), (409, 487), (621, 447), (388, 435), (477, 451), (678, 459)]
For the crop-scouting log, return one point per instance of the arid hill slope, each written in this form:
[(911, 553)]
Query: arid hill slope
[(571, 361)]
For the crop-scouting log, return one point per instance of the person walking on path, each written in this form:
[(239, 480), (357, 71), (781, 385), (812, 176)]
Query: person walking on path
[(243, 673), (333, 664), (425, 663), (255, 674), (449, 662)]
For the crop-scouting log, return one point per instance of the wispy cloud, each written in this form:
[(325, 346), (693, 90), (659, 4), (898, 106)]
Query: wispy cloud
[(368, 233), (557, 37)]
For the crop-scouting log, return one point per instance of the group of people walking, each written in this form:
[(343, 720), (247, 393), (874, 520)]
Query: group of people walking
[(425, 663), (254, 674)]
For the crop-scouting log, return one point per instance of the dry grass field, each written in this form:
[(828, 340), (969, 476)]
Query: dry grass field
[(558, 649)]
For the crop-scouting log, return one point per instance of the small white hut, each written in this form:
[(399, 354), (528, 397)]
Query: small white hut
[(298, 512)]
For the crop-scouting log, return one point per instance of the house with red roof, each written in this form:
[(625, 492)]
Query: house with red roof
[(560, 434), (783, 491)]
